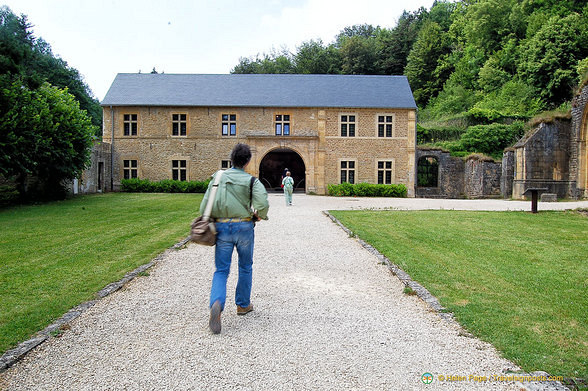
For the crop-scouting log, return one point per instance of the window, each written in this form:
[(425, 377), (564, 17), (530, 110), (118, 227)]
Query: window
[(179, 170), (130, 169), (229, 124), (348, 126), (385, 172), (348, 171), (225, 164), (385, 124), (282, 125), (178, 124), (130, 124)]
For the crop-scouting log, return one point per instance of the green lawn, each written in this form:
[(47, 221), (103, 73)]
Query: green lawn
[(58, 255), (515, 279)]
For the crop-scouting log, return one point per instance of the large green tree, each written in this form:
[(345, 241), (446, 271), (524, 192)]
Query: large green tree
[(431, 45), (31, 59), (315, 58), (45, 131), (44, 137), (549, 59)]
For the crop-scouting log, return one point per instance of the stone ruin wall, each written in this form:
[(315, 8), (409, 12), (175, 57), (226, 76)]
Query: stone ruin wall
[(482, 178)]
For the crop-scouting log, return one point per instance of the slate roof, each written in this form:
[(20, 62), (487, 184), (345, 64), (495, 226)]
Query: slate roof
[(254, 90)]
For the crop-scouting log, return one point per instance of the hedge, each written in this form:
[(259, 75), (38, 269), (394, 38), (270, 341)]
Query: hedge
[(366, 190), (137, 185)]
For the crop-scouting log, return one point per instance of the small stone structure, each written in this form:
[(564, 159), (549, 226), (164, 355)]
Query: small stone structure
[(475, 177), (552, 156), (450, 177), (96, 178), (543, 159)]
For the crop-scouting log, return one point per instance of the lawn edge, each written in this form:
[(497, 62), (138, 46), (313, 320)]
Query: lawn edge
[(434, 304), (12, 356)]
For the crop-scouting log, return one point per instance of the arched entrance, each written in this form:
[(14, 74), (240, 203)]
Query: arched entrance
[(273, 164), (428, 171)]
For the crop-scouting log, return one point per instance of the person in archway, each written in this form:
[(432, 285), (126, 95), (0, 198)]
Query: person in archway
[(283, 176), (240, 201), (288, 184)]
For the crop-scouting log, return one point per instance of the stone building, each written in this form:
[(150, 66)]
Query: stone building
[(553, 156), (326, 129)]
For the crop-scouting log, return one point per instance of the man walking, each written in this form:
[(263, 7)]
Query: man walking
[(240, 201)]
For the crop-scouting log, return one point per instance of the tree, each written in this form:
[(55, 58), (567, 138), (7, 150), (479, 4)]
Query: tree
[(487, 24), (358, 55), (358, 30), (432, 43), (549, 58), (275, 62), (394, 45), (314, 58), (31, 60), (43, 136)]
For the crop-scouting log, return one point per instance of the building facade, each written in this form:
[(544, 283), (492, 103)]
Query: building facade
[(327, 129)]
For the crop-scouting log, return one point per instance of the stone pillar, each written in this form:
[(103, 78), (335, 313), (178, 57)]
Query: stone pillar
[(411, 152), (319, 162), (507, 173)]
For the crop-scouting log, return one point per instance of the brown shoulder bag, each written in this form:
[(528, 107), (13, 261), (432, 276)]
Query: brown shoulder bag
[(203, 230)]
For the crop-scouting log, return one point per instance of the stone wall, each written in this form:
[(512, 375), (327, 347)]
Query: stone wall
[(476, 177), (482, 177), (450, 179), (579, 132)]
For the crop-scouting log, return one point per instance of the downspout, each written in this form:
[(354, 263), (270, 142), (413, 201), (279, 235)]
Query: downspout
[(112, 150)]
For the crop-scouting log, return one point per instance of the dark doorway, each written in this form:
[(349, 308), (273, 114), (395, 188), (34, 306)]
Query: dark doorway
[(428, 171), (100, 176), (273, 164)]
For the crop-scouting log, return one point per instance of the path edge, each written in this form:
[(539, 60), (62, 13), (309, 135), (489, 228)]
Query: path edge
[(443, 313), (12, 356)]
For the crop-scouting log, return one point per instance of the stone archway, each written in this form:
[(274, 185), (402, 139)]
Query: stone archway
[(273, 164), (428, 171)]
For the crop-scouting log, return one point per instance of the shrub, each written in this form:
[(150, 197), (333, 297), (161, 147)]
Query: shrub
[(367, 190), (8, 195), (435, 134), (483, 116), (137, 185), (491, 139)]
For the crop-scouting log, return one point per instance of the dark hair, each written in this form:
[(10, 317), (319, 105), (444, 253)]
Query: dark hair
[(241, 155)]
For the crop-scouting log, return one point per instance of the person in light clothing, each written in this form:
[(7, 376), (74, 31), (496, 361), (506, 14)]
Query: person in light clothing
[(240, 201), (288, 183)]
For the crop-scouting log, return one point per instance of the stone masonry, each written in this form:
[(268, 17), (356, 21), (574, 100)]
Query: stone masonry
[(314, 135)]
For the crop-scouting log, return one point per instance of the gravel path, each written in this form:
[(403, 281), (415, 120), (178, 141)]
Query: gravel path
[(327, 316)]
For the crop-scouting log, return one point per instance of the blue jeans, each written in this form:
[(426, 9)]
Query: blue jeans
[(229, 236)]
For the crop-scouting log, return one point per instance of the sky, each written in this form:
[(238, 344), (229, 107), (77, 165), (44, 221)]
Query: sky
[(101, 38)]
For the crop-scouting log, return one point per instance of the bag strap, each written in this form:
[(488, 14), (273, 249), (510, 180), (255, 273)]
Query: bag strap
[(212, 196), (251, 181)]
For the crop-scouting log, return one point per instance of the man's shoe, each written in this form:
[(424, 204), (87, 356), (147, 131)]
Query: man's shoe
[(215, 318), (244, 310)]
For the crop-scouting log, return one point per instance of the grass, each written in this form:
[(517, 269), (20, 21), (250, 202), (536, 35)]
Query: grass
[(515, 279), (55, 256)]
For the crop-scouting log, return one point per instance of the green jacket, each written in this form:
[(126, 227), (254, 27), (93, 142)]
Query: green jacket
[(232, 196)]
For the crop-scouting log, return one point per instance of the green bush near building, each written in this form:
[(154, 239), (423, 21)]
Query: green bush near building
[(367, 190)]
